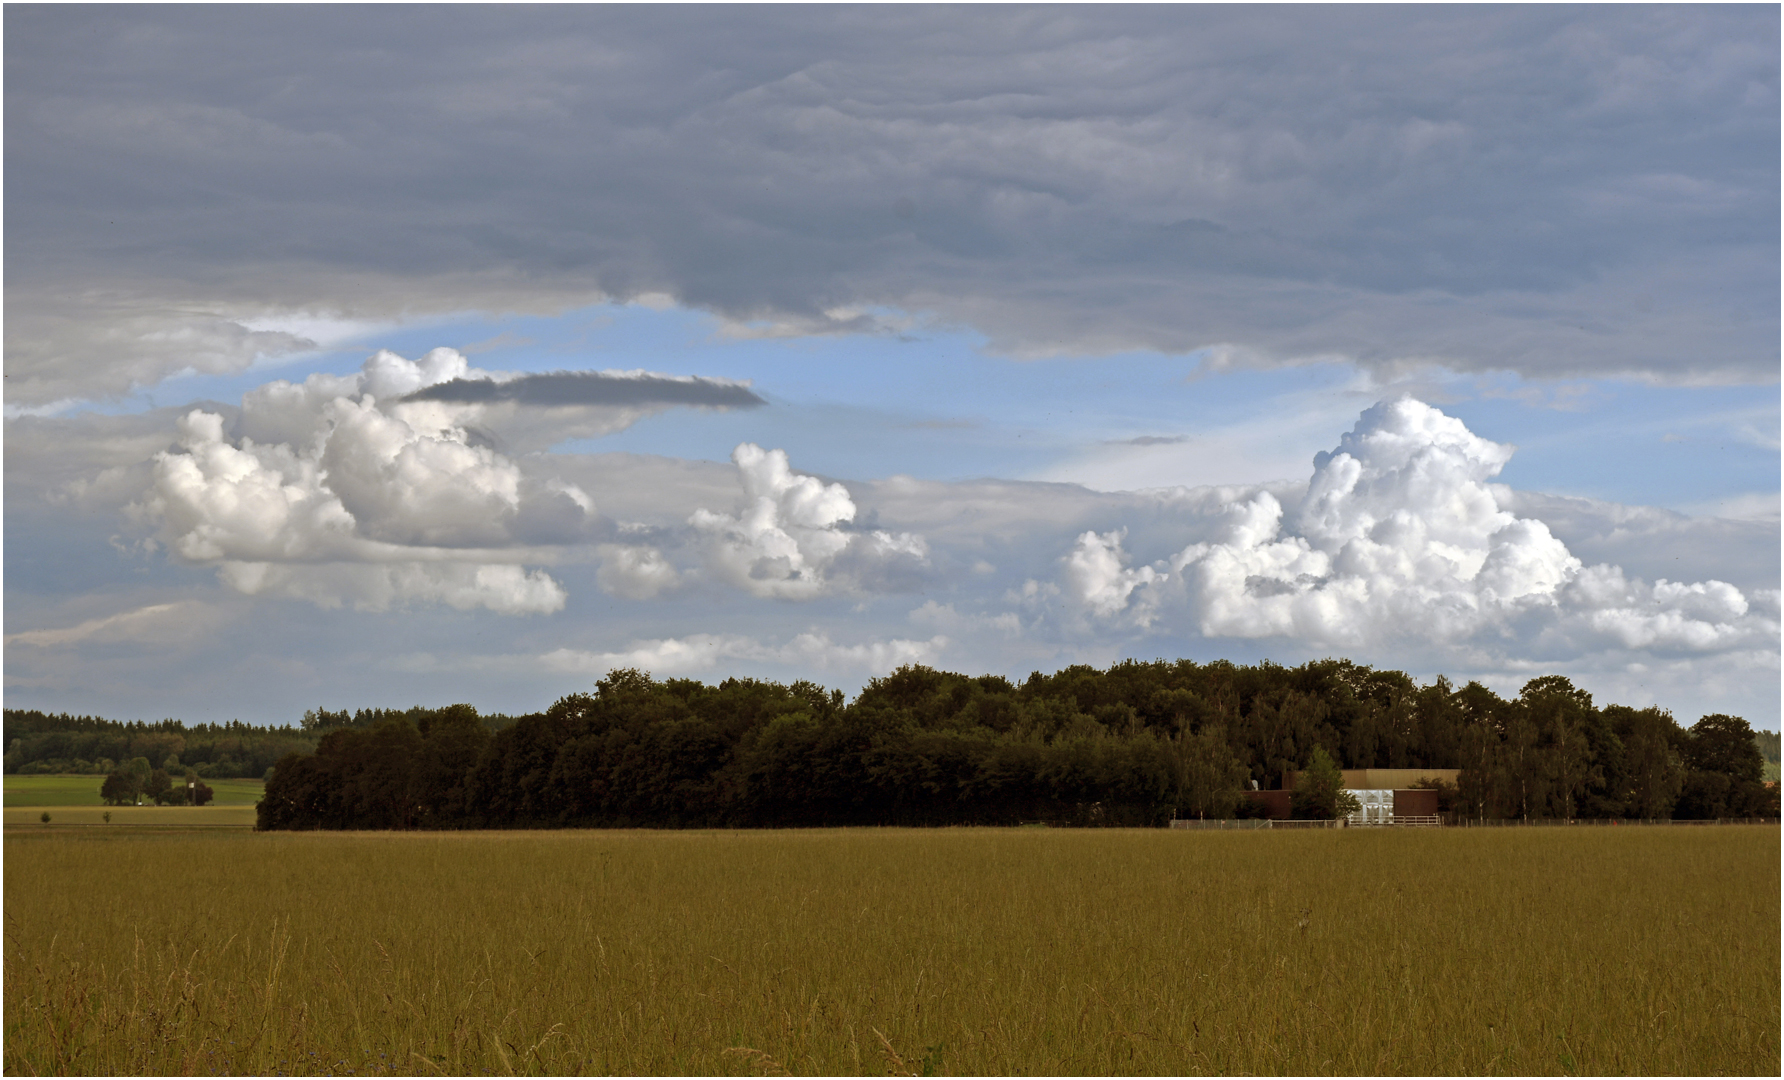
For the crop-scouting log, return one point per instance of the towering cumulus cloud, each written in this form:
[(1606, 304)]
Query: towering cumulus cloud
[(337, 489), (1097, 574), (1400, 539), (790, 539), (1397, 532)]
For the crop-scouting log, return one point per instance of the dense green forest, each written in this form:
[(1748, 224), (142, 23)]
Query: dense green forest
[(38, 742), (1134, 744), (1768, 749)]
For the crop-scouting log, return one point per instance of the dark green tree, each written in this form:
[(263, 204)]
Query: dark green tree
[(119, 789), (1724, 777), (1653, 772), (139, 769), (1319, 790), (1565, 754), (1210, 777), (453, 739), (1725, 744)]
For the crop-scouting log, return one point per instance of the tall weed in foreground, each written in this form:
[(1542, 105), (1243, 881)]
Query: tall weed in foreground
[(913, 952)]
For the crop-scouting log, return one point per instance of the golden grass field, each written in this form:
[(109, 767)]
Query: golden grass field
[(1638, 950)]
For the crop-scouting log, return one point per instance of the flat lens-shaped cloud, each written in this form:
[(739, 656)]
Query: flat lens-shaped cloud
[(560, 389)]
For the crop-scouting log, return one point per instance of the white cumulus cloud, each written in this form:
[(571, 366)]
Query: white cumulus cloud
[(1401, 538), (1398, 533), (334, 494), (1665, 617), (392, 485), (704, 652), (1098, 578), (635, 573), (789, 539)]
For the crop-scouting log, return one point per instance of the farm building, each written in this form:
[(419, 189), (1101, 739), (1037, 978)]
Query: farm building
[(1388, 795)]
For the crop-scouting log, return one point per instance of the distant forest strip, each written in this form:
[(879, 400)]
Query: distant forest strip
[(1136, 744), (38, 742)]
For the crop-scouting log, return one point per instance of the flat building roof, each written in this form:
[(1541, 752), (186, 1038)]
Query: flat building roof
[(1383, 779)]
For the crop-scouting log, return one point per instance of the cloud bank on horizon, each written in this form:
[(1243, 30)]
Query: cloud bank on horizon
[(216, 216)]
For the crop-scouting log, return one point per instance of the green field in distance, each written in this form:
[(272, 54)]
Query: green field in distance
[(849, 952), (67, 816), (53, 791)]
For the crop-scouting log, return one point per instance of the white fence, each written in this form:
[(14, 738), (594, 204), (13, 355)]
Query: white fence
[(1253, 823)]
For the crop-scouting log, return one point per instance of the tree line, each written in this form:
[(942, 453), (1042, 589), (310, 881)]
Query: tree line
[(1135, 744), (128, 784), (39, 742)]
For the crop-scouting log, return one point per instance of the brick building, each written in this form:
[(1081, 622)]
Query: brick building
[(1387, 795)]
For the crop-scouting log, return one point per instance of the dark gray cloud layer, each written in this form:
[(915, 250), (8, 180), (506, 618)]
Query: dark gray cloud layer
[(1549, 190), (564, 388)]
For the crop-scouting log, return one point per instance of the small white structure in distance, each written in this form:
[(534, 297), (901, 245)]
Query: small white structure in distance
[(1377, 808)]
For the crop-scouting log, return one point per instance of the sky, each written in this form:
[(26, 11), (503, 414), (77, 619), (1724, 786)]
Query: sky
[(380, 356)]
